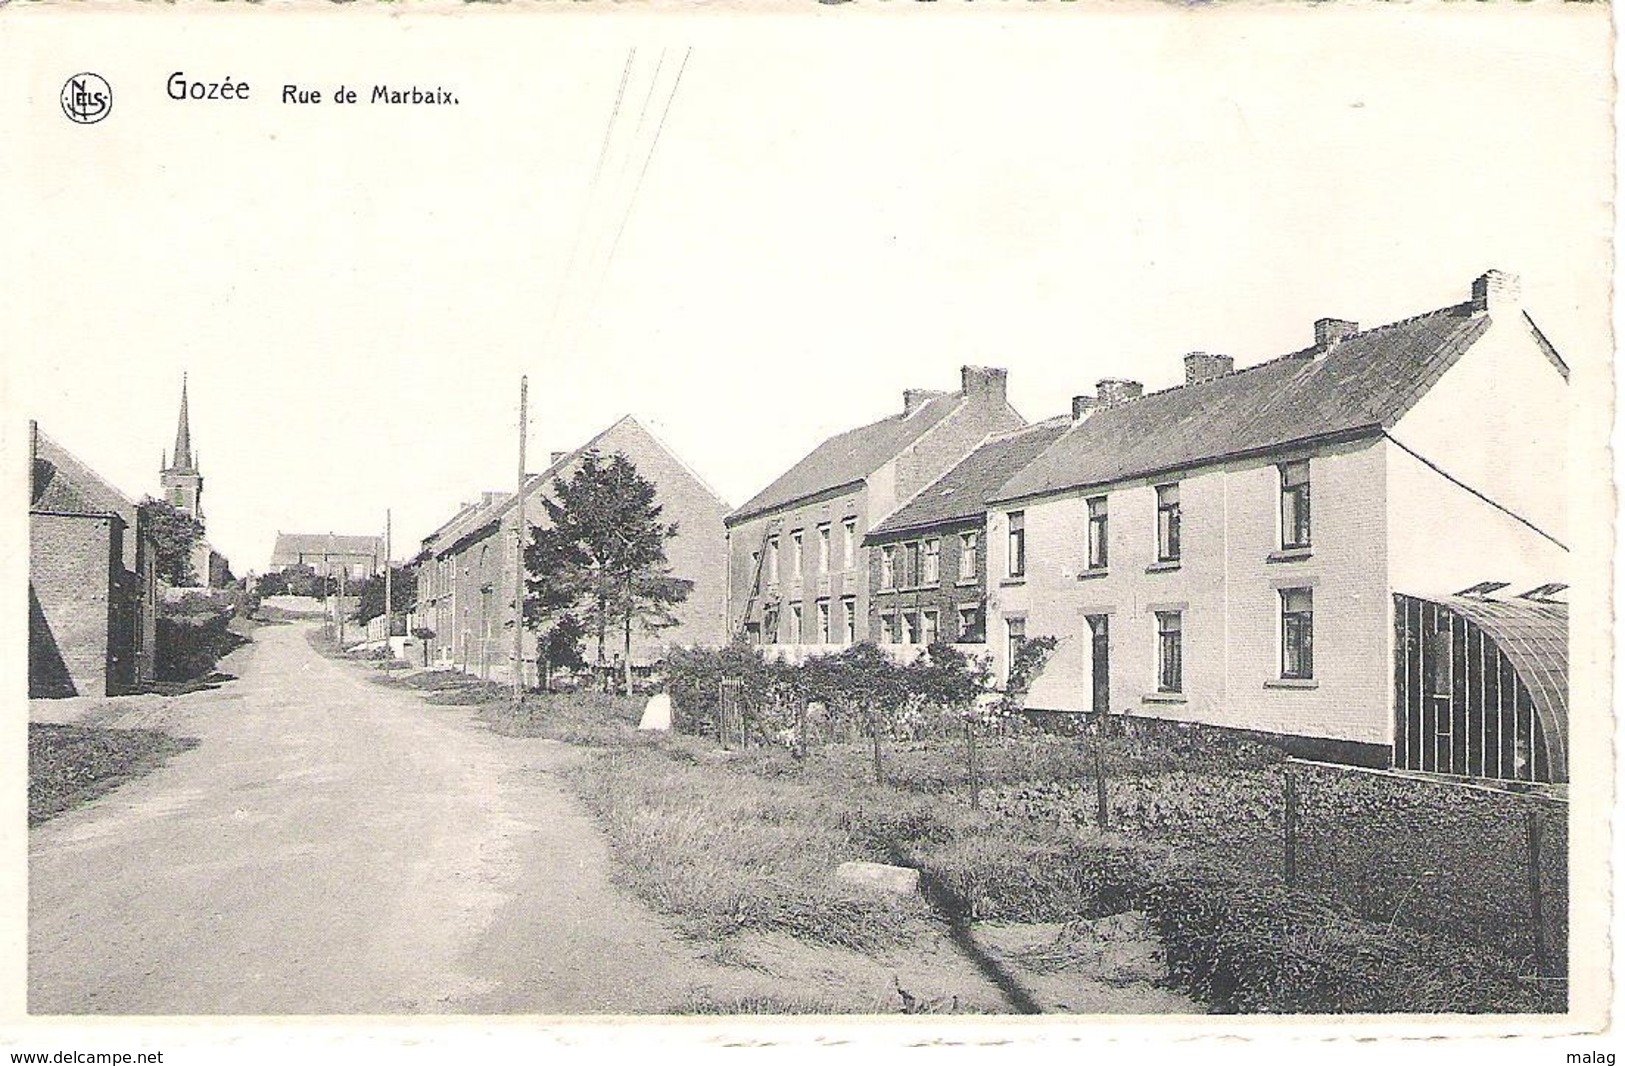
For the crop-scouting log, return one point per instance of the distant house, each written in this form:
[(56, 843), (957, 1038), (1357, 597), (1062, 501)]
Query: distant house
[(928, 576), (797, 565), (1410, 617), (329, 554), (92, 580), (467, 569)]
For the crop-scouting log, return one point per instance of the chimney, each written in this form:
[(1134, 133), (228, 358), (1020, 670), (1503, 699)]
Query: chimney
[(554, 458), (914, 399), (1205, 366), (1497, 291), (1115, 391), (1330, 332), (1082, 406), (984, 384)]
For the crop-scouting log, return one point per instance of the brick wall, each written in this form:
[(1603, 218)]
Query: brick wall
[(74, 563), (947, 596), (836, 586)]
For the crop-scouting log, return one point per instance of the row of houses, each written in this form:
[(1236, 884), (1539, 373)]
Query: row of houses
[(1357, 546)]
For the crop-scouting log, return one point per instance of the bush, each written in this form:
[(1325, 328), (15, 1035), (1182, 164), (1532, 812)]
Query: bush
[(192, 636)]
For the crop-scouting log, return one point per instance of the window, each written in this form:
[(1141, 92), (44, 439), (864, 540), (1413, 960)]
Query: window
[(795, 556), (888, 567), (794, 636), (849, 542), (823, 622), (1015, 636), (823, 548), (930, 562), (910, 556), (968, 545), (1295, 504), (912, 620), (970, 625), (773, 560), (1018, 544), (1170, 652), (891, 631), (1297, 633), (928, 627), (755, 565), (1097, 533), (849, 621), (770, 623), (1167, 523)]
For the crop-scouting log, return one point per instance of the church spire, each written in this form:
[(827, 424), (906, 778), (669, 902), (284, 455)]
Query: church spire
[(183, 434)]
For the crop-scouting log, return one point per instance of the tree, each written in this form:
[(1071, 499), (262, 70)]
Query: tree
[(606, 554), (274, 583), (369, 593), (557, 578), (174, 534)]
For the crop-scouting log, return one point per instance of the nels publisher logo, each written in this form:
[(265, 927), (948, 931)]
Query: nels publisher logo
[(87, 98)]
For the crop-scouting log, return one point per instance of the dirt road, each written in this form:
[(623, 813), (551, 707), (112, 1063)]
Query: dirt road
[(332, 846)]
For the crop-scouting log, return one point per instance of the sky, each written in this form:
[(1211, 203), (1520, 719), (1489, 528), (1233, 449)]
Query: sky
[(837, 208)]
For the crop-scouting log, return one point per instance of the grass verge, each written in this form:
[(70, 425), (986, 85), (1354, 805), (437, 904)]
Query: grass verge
[(69, 765)]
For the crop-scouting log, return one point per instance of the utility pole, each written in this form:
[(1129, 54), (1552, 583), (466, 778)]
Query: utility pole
[(519, 556), (389, 600), (344, 571)]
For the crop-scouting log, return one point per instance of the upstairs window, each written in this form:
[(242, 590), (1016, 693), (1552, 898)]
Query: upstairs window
[(1168, 523), (969, 544), (1170, 652), (1298, 633), (1295, 504), (888, 567), (823, 549), (773, 559), (1097, 533), (1018, 544), (795, 556), (849, 542), (930, 563)]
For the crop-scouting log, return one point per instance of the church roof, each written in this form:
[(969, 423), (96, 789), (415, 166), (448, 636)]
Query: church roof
[(182, 459)]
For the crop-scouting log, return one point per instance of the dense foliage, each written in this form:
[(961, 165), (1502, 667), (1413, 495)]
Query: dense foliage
[(174, 534)]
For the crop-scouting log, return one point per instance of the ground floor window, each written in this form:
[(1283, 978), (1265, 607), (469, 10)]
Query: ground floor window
[(1170, 652), (912, 621), (823, 621), (970, 625), (928, 627), (1297, 633), (1015, 636), (849, 621), (891, 631), (794, 636)]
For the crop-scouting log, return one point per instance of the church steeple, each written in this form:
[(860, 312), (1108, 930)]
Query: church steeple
[(183, 435), (183, 485)]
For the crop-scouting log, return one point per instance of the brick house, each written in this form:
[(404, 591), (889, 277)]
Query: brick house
[(467, 569), (797, 565), (1167, 541), (928, 572), (92, 580)]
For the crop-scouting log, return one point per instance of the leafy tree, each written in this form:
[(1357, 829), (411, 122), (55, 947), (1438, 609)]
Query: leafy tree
[(174, 534), (607, 552), (274, 583), (557, 579), (369, 593)]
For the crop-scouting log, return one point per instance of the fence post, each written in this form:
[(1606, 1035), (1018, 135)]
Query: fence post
[(801, 728), (1290, 827), (874, 731), (722, 713), (1100, 789), (1536, 911), (970, 761)]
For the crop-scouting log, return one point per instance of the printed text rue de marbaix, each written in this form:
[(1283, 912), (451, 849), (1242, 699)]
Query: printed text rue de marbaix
[(181, 87)]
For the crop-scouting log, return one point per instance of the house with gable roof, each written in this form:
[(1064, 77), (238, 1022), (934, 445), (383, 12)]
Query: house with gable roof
[(467, 569), (92, 580), (928, 572), (797, 565), (1358, 546)]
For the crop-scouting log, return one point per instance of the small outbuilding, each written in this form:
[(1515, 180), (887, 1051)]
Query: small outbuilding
[(1481, 684)]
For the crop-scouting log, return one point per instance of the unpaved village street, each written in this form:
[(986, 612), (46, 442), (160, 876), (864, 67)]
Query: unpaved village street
[(334, 846)]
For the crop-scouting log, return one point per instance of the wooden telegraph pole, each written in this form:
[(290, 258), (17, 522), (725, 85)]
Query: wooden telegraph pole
[(519, 556)]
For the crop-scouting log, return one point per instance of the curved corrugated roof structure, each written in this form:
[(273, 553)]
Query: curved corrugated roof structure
[(1534, 636)]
